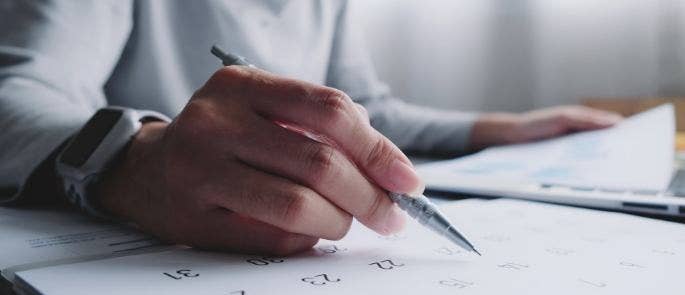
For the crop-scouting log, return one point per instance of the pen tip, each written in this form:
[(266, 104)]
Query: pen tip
[(474, 250)]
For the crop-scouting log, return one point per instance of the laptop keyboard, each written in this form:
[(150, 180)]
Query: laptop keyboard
[(677, 186)]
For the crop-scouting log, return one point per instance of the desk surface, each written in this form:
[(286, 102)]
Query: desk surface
[(680, 141)]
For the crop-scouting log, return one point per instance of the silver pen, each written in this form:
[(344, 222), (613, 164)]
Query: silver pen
[(428, 215), (418, 207)]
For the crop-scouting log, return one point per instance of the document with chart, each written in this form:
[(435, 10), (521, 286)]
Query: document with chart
[(528, 248), (626, 167), (637, 154)]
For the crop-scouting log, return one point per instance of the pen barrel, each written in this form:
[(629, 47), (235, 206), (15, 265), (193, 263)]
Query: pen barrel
[(418, 207), (427, 214)]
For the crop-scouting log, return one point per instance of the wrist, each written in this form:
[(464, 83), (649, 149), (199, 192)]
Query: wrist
[(123, 190), (494, 129)]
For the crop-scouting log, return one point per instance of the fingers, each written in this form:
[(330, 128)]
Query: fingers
[(605, 118), (332, 114), (324, 169), (579, 118), (281, 203), (228, 231)]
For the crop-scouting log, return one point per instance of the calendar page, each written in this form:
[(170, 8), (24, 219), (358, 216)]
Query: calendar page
[(34, 238), (528, 248)]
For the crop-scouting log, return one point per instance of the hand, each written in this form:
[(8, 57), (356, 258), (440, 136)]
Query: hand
[(224, 175), (508, 128)]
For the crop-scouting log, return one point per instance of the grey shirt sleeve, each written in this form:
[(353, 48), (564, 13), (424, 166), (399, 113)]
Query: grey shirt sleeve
[(55, 57), (410, 127)]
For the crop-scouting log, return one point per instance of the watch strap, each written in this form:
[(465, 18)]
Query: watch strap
[(79, 185)]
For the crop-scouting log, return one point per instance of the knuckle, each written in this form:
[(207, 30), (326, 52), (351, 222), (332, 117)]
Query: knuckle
[(321, 165), (296, 204), (372, 212), (334, 99), (336, 105), (379, 153)]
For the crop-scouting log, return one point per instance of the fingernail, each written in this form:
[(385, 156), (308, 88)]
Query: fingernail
[(403, 178), (394, 221), (419, 189)]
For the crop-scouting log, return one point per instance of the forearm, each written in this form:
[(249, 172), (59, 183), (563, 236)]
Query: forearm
[(36, 120), (422, 130), (493, 129), (55, 58)]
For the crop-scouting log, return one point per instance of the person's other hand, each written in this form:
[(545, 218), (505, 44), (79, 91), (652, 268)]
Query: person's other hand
[(507, 128), (227, 175)]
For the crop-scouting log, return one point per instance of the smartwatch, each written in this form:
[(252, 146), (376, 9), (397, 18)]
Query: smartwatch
[(93, 149)]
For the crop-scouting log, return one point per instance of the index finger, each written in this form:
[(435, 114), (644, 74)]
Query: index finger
[(332, 114)]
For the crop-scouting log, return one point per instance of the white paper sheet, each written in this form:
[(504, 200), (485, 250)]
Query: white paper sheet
[(34, 237), (637, 154), (528, 248)]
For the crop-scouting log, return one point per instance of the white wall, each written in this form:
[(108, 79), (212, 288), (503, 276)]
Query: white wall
[(520, 54)]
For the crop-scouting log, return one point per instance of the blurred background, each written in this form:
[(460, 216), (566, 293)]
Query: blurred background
[(516, 55)]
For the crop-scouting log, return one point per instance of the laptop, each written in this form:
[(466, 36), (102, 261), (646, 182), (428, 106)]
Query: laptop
[(631, 167)]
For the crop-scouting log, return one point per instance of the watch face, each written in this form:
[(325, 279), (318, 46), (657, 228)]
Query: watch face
[(90, 137)]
